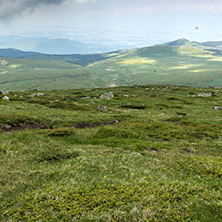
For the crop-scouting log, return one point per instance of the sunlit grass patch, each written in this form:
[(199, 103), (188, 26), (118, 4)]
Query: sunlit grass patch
[(200, 70), (14, 66), (185, 66), (138, 61), (216, 59)]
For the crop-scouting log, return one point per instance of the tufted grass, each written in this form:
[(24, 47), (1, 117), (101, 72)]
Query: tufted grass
[(159, 163)]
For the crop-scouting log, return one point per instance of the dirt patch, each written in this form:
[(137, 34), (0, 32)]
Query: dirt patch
[(8, 128), (19, 122), (92, 125)]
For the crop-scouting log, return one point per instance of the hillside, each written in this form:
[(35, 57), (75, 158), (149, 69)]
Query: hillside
[(154, 155), (179, 62)]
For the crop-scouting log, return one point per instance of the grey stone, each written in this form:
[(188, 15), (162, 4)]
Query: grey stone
[(102, 108), (205, 94), (85, 98), (5, 93), (139, 154), (5, 98), (40, 94), (108, 96), (218, 108)]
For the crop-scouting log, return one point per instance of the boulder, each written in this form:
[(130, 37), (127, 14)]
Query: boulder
[(40, 94), (218, 108), (102, 108), (206, 94), (108, 96), (6, 98)]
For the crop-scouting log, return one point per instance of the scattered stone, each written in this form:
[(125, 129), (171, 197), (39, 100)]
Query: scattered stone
[(126, 96), (5, 93), (40, 94), (88, 90), (6, 98), (218, 108), (112, 85), (33, 95), (211, 87), (108, 96), (206, 94), (85, 98), (139, 154), (102, 108)]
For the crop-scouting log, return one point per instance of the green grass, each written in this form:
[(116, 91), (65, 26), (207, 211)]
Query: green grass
[(149, 164), (192, 66)]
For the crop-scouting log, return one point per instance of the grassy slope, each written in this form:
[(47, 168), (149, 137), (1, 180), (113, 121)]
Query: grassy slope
[(150, 166), (161, 65), (193, 66)]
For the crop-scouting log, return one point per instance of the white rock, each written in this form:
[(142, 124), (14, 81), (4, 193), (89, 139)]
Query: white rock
[(40, 94), (6, 98), (108, 96), (218, 108)]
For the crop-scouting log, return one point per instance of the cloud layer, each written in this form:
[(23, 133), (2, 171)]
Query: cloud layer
[(12, 8)]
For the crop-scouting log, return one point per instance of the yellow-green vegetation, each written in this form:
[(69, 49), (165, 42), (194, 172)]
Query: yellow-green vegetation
[(191, 65), (14, 66), (185, 66), (154, 156), (138, 61)]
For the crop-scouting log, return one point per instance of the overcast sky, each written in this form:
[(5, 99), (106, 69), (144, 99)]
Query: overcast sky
[(140, 22)]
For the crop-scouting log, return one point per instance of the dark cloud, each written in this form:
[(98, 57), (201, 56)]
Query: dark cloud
[(11, 8)]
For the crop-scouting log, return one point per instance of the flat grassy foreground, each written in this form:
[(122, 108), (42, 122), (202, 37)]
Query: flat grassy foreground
[(154, 156)]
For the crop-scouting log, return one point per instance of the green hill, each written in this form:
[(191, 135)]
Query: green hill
[(155, 155), (180, 62), (183, 64)]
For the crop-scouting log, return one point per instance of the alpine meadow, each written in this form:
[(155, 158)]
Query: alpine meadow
[(110, 111)]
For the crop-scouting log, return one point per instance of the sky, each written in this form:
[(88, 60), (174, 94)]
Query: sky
[(129, 22)]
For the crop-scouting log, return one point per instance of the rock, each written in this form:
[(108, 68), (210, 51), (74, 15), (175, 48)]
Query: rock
[(206, 94), (126, 96), (108, 95), (40, 94), (218, 108), (33, 95), (6, 98), (88, 90), (211, 87), (5, 93), (139, 154), (102, 108), (85, 98)]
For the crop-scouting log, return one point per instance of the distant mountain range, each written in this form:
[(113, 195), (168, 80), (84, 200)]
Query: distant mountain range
[(55, 46)]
